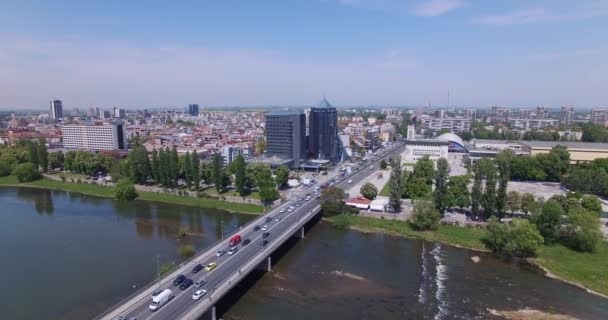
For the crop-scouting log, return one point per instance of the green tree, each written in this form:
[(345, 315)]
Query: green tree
[(527, 199), (155, 166), (441, 184), (33, 153), (282, 175), (43, 155), (5, 168), (196, 170), (582, 232), (69, 160), (216, 169), (27, 172), (188, 169), (186, 251), (513, 201), (139, 164), (503, 163), (56, 159), (425, 216), (266, 183), (592, 204), (458, 194), (332, 201), (240, 175), (261, 146), (477, 192), (369, 191), (519, 239), (383, 164), (489, 197), (549, 220), (174, 166), (424, 168), (394, 188), (125, 190)]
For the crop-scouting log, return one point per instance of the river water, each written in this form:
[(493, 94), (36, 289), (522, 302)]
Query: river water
[(70, 256)]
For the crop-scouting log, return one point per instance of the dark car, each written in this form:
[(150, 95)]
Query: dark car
[(179, 279), (265, 242), (197, 268), (186, 284), (268, 219), (257, 228), (246, 242), (265, 235)]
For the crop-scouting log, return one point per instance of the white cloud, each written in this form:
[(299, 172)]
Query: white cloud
[(519, 17), (433, 8)]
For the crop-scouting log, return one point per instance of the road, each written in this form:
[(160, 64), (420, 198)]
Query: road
[(227, 265)]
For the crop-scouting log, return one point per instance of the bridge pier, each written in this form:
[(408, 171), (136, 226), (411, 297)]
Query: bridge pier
[(213, 314), (300, 233), (266, 265)]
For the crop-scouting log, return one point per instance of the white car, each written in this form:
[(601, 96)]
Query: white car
[(199, 294), (233, 250), (220, 253), (350, 181), (264, 228), (277, 219)]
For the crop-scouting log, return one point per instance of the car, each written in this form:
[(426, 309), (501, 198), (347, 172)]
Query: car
[(350, 181), (307, 198), (265, 234), (268, 219), (233, 250), (301, 199), (156, 292), (257, 228), (246, 242), (282, 211), (200, 283), (181, 278), (199, 294), (264, 228), (265, 242), (277, 219), (290, 209), (210, 266), (220, 253), (186, 284), (298, 204), (197, 268)]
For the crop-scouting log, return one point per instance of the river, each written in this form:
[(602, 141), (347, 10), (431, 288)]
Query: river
[(69, 256)]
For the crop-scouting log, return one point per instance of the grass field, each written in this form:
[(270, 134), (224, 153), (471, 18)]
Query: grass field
[(587, 269), (101, 191), (384, 191)]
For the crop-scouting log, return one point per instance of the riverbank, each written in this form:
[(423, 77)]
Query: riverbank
[(586, 270), (108, 192)]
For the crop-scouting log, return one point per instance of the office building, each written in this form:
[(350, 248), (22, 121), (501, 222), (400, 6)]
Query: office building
[(94, 137), (193, 109), (56, 110), (566, 115), (118, 113), (286, 136), (599, 116), (229, 154), (323, 132)]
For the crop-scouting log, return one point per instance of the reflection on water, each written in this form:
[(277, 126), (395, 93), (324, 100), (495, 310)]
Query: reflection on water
[(71, 256)]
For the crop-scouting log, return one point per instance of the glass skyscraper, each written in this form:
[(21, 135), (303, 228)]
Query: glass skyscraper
[(323, 132), (286, 135)]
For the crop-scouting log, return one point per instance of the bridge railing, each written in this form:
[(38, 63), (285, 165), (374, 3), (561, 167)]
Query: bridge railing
[(200, 254)]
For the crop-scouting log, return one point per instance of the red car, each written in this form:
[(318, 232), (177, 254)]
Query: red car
[(234, 240)]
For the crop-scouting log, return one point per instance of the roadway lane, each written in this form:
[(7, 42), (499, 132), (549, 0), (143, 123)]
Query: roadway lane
[(230, 264)]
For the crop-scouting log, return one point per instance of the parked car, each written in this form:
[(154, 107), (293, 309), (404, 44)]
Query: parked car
[(197, 268), (181, 278), (186, 284)]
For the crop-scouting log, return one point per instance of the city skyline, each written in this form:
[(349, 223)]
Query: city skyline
[(358, 52)]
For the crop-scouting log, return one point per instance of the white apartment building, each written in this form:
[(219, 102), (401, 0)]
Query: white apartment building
[(533, 124), (452, 124), (418, 149), (94, 137)]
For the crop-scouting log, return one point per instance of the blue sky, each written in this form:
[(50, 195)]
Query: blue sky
[(291, 52)]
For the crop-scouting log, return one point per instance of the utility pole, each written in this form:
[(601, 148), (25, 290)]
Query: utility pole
[(158, 268)]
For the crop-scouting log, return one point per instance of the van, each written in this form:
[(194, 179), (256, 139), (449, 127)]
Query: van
[(161, 299)]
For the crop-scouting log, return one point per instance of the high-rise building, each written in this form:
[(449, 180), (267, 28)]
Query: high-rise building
[(471, 114), (229, 154), (193, 109), (323, 132), (94, 137), (286, 135), (500, 114), (542, 112), (524, 113), (566, 115), (56, 110), (117, 112), (439, 113), (599, 116)]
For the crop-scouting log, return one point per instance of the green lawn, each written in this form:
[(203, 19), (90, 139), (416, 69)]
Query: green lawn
[(231, 193), (587, 269), (384, 191), (101, 191), (70, 175)]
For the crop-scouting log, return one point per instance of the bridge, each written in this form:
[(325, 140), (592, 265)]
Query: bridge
[(231, 269)]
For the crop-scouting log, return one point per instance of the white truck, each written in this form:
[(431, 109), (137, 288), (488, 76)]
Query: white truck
[(161, 299)]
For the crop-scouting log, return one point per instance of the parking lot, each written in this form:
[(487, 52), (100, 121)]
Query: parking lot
[(539, 189)]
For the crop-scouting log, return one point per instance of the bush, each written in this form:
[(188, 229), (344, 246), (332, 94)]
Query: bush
[(341, 222), (125, 190), (186, 251), (549, 220), (369, 191), (27, 172), (383, 164), (166, 268), (5, 169), (63, 177), (592, 204), (582, 232), (519, 239), (425, 216)]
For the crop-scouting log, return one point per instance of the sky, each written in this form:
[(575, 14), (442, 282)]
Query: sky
[(514, 53)]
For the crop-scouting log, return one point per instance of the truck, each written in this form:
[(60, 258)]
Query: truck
[(236, 239), (161, 299)]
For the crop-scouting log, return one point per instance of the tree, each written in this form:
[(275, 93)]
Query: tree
[(592, 204), (266, 184), (332, 201), (174, 166), (513, 201), (43, 155), (216, 171), (424, 168), (549, 220), (27, 172), (261, 146), (155, 166), (139, 164), (33, 154), (369, 191), (196, 171), (425, 215), (489, 196), (383, 164), (394, 188), (56, 159), (527, 199), (282, 175), (582, 232), (186, 251), (441, 184), (519, 239), (240, 175), (125, 190), (503, 163), (188, 169), (476, 192), (5, 168), (458, 192)]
